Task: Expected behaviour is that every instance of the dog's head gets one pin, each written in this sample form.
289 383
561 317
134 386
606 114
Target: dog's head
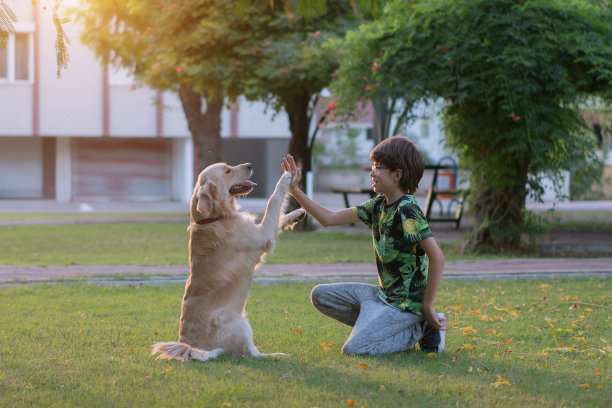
214 192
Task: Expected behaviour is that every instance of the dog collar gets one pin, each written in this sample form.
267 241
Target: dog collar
207 221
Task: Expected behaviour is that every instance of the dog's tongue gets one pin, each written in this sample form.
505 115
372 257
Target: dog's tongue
241 188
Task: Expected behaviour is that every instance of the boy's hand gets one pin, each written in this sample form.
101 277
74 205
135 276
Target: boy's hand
433 319
288 165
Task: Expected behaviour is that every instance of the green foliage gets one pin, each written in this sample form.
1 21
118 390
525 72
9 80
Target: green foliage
61 39
511 74
7 18
285 58
340 151
310 9
263 53
586 178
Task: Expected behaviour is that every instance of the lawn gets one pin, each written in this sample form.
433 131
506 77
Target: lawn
165 243
511 344
157 244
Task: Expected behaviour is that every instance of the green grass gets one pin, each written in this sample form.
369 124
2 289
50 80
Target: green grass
167 244
90 216
86 345
157 244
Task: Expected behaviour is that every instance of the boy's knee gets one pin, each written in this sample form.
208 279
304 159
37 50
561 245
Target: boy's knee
316 295
351 348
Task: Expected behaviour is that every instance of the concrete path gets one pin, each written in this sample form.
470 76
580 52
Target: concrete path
536 268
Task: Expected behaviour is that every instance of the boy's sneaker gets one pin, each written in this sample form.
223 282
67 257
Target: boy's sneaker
433 340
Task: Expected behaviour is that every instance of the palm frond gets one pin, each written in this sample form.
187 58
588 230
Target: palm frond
61 41
7 18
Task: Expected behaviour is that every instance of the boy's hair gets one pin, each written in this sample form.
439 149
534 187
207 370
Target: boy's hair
398 152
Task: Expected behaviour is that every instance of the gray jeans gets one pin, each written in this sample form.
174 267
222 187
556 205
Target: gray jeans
377 327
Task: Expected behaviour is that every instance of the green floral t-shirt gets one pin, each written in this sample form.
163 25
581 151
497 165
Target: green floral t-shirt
397 229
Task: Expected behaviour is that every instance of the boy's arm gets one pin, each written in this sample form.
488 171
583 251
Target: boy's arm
434 276
323 215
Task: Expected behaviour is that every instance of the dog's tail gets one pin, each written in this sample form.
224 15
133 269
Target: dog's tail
183 352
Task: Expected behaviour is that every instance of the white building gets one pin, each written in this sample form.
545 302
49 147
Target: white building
92 134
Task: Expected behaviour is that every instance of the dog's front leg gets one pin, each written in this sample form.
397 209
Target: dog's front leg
269 223
288 221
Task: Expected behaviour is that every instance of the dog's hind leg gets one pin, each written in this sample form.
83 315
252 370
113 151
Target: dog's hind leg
235 334
183 352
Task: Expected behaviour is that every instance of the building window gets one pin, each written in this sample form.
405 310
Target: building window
16 59
3 63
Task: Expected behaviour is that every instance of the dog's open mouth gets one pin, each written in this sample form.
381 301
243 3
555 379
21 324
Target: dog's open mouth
242 189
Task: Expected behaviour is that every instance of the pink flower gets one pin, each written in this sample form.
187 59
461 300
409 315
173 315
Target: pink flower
180 69
315 34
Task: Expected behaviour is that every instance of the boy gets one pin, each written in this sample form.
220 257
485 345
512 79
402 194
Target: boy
400 311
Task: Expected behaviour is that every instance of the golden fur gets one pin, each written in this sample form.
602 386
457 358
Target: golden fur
225 247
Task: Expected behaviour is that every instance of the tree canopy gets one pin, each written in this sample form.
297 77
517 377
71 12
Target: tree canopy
205 49
511 74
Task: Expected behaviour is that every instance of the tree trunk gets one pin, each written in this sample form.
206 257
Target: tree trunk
205 127
297 108
498 214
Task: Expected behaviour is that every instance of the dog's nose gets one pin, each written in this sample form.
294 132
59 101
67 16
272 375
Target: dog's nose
248 166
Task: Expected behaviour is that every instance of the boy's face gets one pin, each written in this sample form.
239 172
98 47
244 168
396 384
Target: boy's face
385 180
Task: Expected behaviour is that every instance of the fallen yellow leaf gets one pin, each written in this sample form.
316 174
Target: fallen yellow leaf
169 369
362 365
500 381
350 402
432 355
584 385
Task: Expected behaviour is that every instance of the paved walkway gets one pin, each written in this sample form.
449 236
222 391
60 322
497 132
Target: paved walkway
537 268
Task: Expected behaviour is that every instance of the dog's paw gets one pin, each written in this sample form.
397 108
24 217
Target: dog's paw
284 182
300 214
295 216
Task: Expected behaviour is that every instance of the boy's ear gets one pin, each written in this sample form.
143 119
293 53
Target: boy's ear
398 174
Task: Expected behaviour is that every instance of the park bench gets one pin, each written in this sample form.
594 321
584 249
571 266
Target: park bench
450 192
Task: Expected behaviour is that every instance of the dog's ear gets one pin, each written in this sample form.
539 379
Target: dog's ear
203 201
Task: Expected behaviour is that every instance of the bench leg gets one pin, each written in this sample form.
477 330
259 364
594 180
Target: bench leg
430 198
459 213
346 201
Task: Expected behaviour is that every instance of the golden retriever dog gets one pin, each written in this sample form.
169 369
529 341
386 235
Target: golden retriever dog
225 247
